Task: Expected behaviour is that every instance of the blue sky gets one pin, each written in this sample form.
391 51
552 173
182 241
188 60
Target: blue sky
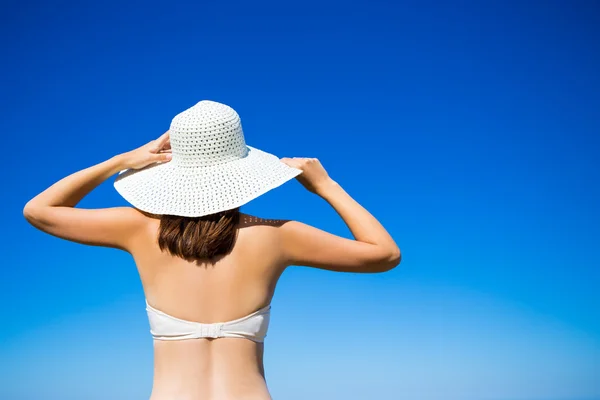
470 129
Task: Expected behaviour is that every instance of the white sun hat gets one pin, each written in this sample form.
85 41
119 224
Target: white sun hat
212 168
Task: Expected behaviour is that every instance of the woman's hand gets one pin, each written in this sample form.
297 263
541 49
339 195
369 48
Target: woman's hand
158 150
313 176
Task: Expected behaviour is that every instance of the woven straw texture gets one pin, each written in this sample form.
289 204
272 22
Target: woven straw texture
212 168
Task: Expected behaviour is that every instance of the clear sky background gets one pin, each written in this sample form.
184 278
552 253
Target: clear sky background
471 129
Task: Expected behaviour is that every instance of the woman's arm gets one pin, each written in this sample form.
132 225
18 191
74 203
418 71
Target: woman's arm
70 190
373 249
53 211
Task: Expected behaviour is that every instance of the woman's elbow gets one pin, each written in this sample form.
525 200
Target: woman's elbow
32 212
28 211
390 261
394 259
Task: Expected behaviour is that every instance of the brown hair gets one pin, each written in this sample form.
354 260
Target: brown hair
199 238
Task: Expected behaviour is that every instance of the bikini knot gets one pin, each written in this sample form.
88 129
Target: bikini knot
211 330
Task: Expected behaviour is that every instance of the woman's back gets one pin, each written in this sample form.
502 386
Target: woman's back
209 319
235 286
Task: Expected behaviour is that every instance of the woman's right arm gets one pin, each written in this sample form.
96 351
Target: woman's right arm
373 249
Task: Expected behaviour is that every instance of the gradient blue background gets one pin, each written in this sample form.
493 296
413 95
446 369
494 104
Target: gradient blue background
470 129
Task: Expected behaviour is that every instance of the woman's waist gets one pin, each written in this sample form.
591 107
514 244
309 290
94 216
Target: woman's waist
199 359
208 371
221 384
209 352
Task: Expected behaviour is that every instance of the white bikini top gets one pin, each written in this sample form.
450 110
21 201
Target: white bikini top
166 327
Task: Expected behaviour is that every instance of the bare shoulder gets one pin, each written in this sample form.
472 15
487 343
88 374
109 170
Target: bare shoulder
142 223
139 218
306 245
108 227
284 229
262 241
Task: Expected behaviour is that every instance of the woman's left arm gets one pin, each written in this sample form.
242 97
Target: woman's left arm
53 211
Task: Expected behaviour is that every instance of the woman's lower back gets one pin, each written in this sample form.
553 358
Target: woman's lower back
209 369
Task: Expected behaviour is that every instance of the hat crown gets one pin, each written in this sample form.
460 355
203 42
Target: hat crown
207 134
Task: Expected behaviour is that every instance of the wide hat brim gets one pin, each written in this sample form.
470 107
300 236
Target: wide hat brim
169 188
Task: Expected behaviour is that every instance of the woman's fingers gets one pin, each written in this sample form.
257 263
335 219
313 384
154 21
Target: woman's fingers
163 156
293 162
290 162
162 142
164 137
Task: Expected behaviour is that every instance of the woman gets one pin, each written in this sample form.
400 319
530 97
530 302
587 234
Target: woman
209 271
